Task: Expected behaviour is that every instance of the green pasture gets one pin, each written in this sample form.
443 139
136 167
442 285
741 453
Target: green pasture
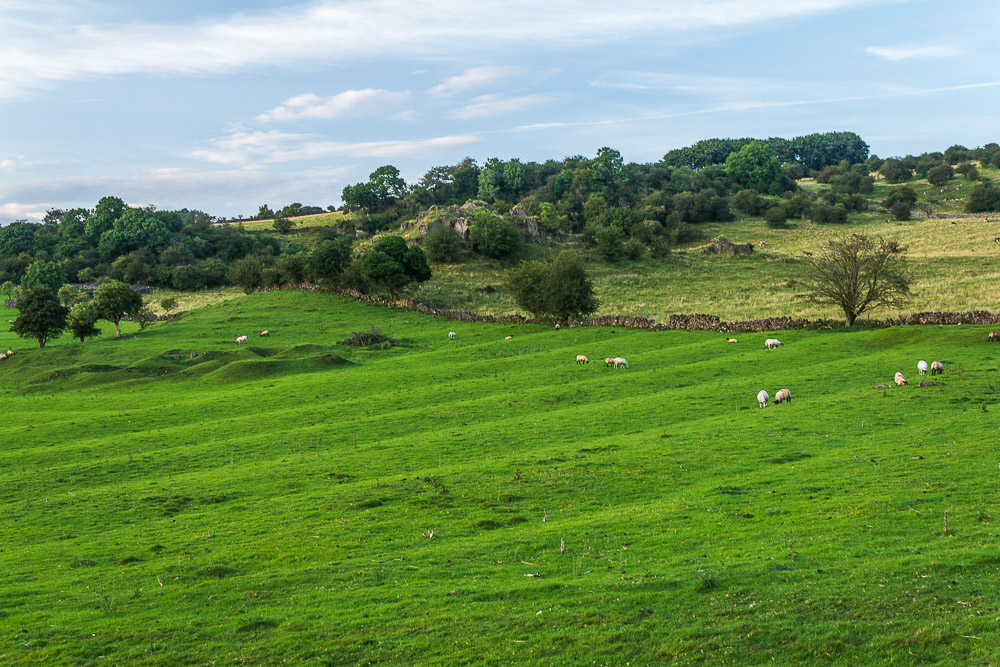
956 267
482 500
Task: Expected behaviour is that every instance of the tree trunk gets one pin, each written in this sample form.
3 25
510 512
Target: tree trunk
118 330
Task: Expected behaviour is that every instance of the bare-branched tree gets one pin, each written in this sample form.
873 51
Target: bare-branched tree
857 274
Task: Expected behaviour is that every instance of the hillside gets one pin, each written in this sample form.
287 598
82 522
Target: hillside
488 500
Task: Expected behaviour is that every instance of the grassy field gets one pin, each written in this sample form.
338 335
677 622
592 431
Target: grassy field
317 220
488 500
955 266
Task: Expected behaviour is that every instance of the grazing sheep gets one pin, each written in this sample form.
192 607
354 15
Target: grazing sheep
730 340
899 380
194 355
994 335
557 327
10 353
620 362
782 396
580 359
922 367
608 361
761 243
762 398
509 338
452 335
937 368
772 343
241 339
265 332
2 356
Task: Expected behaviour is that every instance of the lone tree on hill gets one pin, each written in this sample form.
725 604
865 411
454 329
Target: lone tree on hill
41 315
856 274
114 300
559 289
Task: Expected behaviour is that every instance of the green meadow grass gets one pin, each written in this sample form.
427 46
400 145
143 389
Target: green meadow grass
489 500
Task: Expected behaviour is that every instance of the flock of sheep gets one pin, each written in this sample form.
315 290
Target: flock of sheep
10 353
937 368
243 339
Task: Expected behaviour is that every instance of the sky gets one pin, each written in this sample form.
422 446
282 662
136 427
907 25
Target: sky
226 105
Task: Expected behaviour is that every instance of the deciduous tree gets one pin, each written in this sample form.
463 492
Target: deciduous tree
40 315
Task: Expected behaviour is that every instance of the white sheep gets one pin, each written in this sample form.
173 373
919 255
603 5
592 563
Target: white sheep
730 340
782 396
452 335
581 359
899 380
557 327
509 338
762 398
265 332
937 368
2 356
922 367
241 339
608 361
620 362
772 343
10 353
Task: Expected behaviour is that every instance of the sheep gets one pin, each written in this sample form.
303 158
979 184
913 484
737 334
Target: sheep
557 327
772 343
580 359
730 340
10 353
782 396
509 338
899 380
620 362
994 335
608 361
194 355
761 243
937 368
922 367
265 332
762 398
2 356
452 335
241 339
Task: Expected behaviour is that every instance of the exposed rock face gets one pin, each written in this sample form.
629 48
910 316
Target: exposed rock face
720 245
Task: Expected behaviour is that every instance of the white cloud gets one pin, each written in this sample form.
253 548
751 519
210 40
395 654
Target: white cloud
50 43
475 77
17 211
245 147
347 103
896 53
495 105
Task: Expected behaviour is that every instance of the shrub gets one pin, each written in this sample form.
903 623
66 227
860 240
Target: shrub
491 235
633 249
776 217
247 274
372 338
442 244
559 289
940 174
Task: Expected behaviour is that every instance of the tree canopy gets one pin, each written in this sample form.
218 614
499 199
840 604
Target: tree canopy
40 315
114 300
559 289
857 274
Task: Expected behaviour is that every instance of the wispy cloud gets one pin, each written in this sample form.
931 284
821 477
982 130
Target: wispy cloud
747 105
475 77
48 42
496 105
347 103
17 211
896 53
246 146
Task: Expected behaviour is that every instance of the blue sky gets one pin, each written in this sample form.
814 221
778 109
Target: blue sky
224 106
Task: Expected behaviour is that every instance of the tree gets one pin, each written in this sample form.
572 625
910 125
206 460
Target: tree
81 320
392 265
857 274
134 229
264 212
559 289
40 315
16 238
247 274
940 174
984 198
103 218
282 224
755 166
114 300
45 273
442 243
490 235
69 295
328 260
893 171
168 303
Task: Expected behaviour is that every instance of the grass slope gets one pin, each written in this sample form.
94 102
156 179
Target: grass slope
275 501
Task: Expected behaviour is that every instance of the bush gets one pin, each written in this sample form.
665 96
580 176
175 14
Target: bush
188 278
442 243
168 303
776 217
559 289
633 249
610 244
247 274
983 199
370 339
491 236
940 174
900 210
